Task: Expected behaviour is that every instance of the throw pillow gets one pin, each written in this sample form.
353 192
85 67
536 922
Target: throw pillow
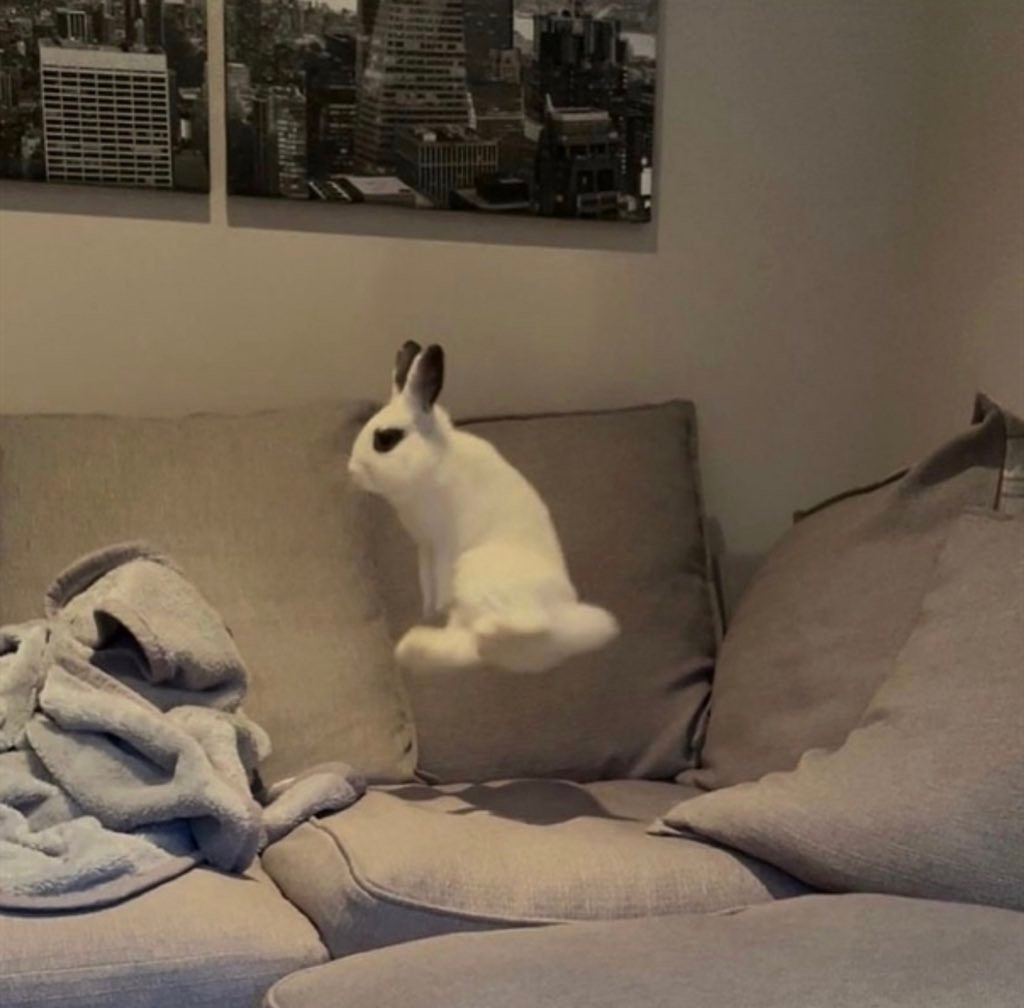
926 796
622 488
820 624
257 511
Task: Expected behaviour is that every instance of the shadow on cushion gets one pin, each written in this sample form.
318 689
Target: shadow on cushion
479 857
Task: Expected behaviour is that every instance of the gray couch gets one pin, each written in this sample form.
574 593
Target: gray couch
833 818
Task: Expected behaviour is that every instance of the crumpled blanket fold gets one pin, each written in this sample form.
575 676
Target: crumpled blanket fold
125 757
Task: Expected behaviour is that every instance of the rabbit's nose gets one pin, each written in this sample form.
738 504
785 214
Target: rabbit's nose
357 471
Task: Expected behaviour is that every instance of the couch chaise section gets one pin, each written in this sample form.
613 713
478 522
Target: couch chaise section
816 951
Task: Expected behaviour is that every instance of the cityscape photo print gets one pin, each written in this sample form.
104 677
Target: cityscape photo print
536 107
104 92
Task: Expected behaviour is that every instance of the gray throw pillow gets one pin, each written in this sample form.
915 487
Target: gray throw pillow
819 626
258 513
926 796
622 488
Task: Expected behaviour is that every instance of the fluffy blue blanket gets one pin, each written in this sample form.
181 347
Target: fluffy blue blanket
125 758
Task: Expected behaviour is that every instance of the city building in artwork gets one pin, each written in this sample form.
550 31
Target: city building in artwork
437 160
495 106
104 92
330 85
367 14
279 156
578 61
488 27
414 75
106 115
288 132
578 164
153 19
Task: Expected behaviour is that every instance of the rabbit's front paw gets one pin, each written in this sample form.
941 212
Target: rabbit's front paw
432 649
413 647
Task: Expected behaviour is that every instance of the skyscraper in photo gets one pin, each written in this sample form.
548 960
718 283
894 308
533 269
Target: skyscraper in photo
493 75
106 115
578 62
263 180
414 75
367 14
578 164
279 142
330 79
488 26
154 19
289 110
366 18
100 22
133 19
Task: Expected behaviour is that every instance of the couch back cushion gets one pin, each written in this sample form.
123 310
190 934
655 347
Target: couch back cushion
622 488
822 621
926 795
257 511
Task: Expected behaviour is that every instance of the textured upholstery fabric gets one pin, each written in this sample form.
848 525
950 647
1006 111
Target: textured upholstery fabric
926 796
414 861
204 939
1011 488
818 628
812 952
622 488
257 511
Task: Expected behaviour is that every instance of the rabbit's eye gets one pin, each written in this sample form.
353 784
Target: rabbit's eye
386 438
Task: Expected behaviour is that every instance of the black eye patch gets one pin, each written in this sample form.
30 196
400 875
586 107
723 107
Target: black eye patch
386 438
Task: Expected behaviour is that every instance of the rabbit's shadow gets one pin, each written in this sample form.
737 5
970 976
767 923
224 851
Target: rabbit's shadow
538 803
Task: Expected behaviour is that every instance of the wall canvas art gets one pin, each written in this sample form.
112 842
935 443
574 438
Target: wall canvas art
538 107
104 92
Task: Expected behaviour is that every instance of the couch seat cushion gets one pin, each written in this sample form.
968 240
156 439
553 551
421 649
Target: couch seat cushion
258 511
413 861
202 939
812 952
623 490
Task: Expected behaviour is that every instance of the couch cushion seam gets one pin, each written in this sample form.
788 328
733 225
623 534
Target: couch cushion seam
246 960
379 892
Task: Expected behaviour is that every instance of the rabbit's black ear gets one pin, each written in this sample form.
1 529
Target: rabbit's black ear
427 377
407 353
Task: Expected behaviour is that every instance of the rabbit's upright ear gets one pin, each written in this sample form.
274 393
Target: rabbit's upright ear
426 377
407 353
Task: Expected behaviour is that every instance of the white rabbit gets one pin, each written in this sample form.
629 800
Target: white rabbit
489 558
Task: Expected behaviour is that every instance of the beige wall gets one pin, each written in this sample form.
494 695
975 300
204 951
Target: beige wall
966 253
776 291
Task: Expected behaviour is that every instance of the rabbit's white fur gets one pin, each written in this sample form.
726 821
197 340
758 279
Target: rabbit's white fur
489 558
